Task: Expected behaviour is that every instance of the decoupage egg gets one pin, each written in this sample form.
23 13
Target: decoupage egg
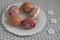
14 20
27 7
13 10
28 23
35 13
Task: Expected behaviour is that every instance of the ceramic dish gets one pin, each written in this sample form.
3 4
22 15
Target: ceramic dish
21 32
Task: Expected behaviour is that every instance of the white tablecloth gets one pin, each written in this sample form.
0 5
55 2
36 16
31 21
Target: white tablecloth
45 5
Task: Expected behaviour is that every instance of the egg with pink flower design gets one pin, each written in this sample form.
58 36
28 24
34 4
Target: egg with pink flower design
28 23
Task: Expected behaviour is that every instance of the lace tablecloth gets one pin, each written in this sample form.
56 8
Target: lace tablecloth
45 5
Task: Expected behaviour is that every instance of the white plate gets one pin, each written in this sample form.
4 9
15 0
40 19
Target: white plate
19 31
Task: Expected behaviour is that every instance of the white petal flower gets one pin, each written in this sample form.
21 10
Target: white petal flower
51 31
50 12
53 20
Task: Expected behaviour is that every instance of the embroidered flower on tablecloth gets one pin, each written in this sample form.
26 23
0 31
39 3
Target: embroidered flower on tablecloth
51 31
50 12
53 20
